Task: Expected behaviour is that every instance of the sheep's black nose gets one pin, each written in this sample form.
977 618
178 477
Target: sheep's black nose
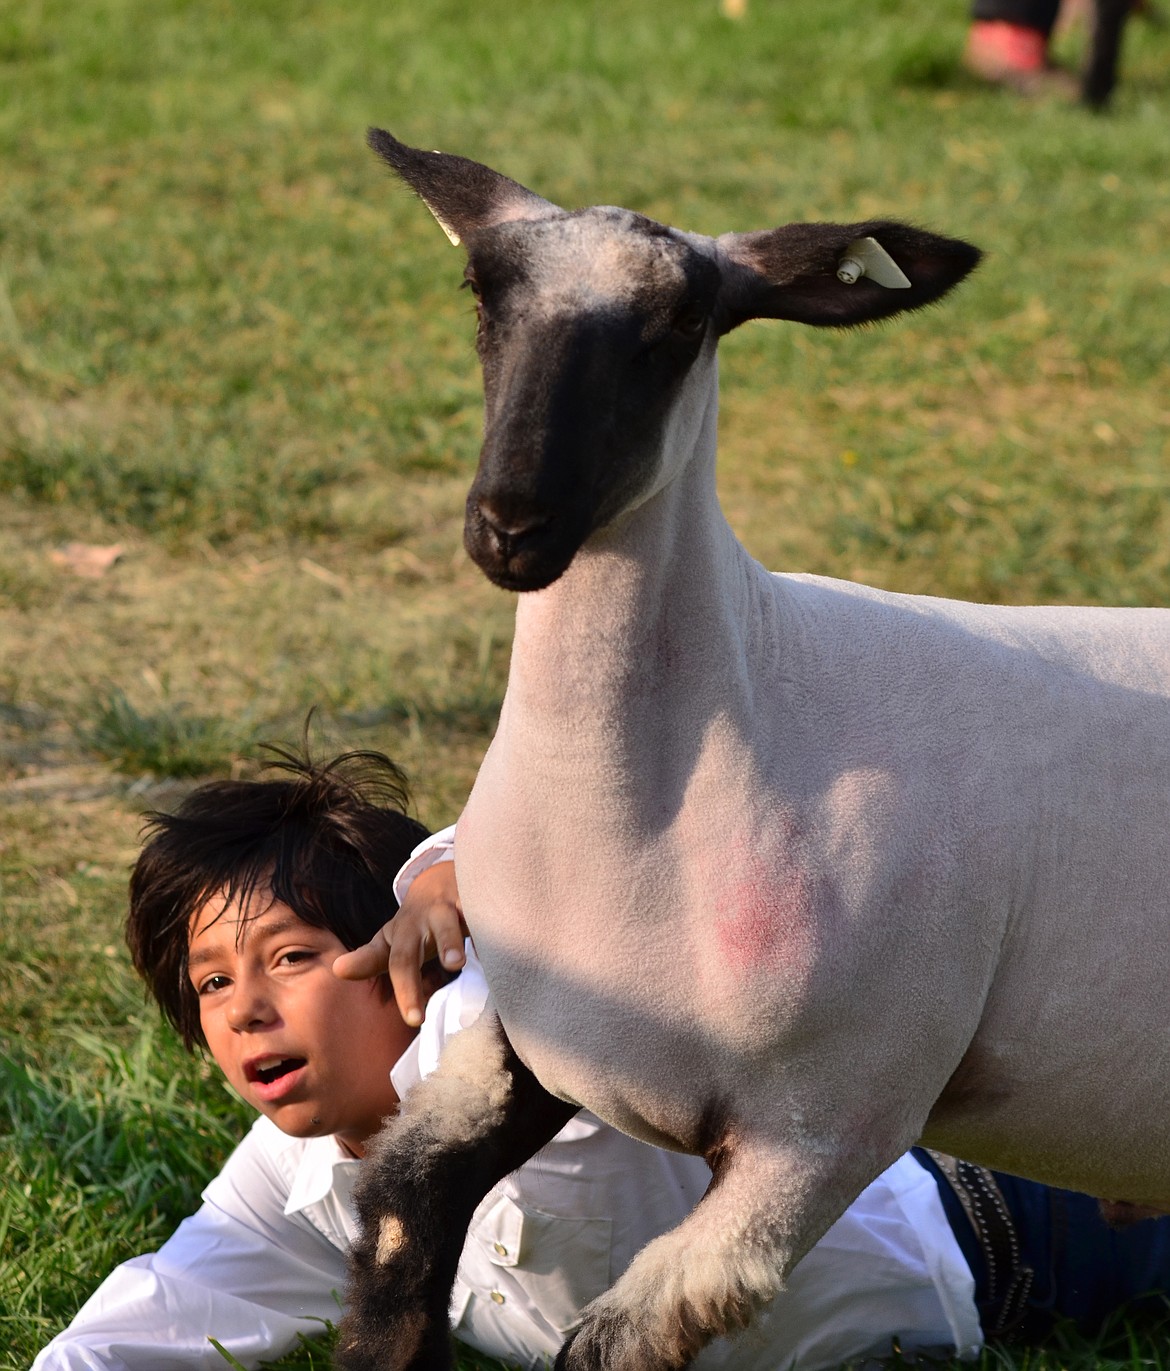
512 535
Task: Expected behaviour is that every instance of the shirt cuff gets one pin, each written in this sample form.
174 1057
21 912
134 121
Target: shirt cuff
439 847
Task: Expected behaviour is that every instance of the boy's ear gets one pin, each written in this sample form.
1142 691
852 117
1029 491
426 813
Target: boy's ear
835 275
464 196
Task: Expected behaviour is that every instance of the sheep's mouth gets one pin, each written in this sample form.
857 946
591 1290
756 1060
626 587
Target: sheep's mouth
273 1072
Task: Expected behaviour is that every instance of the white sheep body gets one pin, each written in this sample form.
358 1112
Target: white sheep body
728 814
782 870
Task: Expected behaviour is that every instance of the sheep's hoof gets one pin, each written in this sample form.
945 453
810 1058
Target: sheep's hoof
608 1342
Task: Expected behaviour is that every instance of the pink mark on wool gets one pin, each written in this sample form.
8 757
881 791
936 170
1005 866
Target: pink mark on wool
767 917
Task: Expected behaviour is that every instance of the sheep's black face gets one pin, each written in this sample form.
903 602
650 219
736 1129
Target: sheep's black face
588 326
591 323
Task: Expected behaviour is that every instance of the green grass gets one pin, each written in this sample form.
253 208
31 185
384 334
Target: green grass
172 740
231 344
92 1175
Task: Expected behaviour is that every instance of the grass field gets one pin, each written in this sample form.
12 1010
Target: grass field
229 345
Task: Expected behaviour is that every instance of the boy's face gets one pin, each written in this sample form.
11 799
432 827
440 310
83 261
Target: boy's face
311 1052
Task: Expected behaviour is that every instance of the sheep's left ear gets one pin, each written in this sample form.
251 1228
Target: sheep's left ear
834 275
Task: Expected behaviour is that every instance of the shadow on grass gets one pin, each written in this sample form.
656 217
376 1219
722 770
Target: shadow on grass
474 714
172 741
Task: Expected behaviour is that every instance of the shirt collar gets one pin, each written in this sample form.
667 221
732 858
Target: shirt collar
314 1177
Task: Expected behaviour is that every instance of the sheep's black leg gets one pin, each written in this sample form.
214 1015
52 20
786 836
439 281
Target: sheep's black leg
1104 51
477 1118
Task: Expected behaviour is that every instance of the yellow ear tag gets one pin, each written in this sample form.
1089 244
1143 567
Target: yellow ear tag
867 257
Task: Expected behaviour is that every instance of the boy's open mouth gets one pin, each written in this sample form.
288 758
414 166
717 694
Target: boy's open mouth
271 1070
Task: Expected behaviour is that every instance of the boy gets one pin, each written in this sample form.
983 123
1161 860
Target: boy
239 905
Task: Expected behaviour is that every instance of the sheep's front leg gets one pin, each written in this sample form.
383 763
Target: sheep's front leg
705 1278
477 1118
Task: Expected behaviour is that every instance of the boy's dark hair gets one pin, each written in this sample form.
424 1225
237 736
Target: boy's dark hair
327 839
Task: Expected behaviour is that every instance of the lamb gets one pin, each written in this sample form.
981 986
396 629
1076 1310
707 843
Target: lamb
782 870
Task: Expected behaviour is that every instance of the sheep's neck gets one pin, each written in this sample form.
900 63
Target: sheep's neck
650 632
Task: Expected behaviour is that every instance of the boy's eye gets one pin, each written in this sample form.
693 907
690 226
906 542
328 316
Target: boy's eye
212 984
299 955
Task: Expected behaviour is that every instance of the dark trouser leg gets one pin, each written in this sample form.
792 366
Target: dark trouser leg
1029 14
1105 50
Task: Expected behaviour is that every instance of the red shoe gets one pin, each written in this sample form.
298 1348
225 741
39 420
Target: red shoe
1013 56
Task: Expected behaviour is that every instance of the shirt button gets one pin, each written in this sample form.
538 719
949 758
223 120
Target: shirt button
500 1249
497 1297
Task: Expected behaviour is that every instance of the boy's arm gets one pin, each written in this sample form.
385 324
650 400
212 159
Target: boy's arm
429 923
240 1270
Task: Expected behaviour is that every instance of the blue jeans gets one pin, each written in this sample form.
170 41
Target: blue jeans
1085 1271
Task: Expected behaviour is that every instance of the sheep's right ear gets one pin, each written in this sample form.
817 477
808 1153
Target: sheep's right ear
835 275
464 196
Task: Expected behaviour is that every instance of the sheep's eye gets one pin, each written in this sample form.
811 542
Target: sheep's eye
689 321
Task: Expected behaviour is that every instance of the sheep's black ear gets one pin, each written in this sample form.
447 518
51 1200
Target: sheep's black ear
834 275
464 196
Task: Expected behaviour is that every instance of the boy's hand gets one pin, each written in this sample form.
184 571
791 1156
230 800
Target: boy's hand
429 923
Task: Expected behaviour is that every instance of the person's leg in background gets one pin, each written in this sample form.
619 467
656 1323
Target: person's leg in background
1008 42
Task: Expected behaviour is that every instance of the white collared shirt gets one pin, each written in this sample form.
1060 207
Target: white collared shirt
264 1257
